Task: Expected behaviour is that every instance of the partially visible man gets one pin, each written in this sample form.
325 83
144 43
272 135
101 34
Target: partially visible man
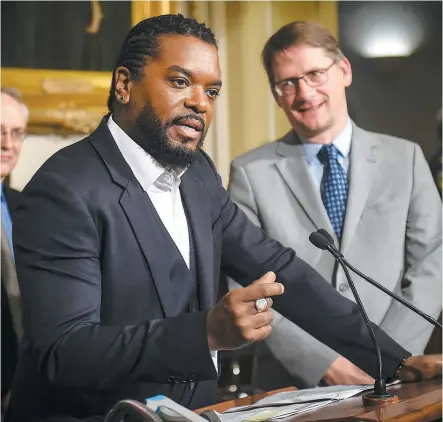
374 193
14 117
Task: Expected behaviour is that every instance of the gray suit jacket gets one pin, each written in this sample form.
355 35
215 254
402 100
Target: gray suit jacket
392 232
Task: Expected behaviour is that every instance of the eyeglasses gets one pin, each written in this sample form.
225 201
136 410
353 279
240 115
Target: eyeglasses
313 79
17 135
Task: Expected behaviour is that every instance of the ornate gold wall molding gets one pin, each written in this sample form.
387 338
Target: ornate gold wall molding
61 101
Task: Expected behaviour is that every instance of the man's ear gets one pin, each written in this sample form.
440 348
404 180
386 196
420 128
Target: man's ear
276 97
346 69
123 85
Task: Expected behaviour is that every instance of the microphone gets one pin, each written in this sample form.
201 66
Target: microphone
156 409
380 393
132 408
328 244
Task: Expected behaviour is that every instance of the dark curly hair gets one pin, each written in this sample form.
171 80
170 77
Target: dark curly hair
142 42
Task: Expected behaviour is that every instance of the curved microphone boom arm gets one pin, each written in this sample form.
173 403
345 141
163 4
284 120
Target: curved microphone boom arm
336 253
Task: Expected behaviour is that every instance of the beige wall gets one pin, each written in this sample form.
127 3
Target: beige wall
36 150
253 115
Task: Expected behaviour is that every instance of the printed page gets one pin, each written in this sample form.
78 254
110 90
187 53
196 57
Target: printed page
336 392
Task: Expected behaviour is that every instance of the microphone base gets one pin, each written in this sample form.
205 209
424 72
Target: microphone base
373 399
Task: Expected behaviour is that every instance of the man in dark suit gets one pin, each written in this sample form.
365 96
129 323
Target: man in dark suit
119 246
14 117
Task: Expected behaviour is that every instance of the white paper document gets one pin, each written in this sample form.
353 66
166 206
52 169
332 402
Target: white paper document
291 403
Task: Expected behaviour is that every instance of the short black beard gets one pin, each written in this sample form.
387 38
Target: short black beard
152 136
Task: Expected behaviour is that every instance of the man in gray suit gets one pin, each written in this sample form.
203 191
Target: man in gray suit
374 193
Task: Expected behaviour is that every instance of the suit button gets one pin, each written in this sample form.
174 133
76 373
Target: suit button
171 379
192 378
343 287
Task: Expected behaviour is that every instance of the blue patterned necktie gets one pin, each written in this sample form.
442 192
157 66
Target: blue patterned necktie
335 188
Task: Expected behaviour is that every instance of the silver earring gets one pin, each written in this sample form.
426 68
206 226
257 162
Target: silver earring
121 99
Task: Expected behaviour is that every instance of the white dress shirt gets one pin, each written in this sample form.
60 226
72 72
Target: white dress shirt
167 201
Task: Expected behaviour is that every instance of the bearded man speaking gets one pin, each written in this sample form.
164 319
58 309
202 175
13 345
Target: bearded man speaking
120 242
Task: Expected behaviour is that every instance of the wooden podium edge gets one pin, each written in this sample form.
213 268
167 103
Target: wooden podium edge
423 407
426 413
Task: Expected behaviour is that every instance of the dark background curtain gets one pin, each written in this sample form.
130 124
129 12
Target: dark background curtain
52 34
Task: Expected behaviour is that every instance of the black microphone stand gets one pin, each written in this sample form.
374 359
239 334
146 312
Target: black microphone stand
335 252
380 391
380 394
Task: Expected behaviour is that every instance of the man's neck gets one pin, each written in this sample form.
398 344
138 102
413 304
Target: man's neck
123 124
327 136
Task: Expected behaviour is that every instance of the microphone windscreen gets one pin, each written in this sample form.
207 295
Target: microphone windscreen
318 240
325 234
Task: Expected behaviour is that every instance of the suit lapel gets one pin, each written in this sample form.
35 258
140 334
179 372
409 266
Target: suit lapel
142 216
295 172
139 210
10 282
364 159
192 190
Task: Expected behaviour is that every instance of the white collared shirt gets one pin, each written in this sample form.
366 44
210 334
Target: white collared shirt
167 203
343 144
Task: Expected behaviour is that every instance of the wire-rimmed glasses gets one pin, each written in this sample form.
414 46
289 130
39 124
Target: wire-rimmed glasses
313 79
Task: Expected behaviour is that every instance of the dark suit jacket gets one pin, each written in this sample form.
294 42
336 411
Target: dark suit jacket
8 336
97 303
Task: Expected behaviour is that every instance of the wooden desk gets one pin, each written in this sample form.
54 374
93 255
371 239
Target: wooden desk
222 407
417 402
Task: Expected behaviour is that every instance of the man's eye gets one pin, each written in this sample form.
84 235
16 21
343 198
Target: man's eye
286 83
180 82
212 93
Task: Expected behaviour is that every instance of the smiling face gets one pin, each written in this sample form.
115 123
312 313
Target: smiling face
317 114
170 108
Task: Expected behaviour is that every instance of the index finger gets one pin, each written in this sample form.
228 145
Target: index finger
258 291
269 277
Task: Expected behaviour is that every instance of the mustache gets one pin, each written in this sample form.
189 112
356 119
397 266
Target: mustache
191 116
